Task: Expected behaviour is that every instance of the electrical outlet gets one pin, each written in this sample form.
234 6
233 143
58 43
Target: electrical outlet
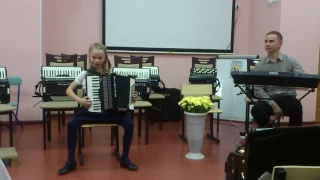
273 1
237 5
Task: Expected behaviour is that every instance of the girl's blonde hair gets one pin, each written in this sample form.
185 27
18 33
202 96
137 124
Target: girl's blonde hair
100 46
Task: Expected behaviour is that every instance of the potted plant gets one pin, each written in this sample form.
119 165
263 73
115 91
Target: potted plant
196 110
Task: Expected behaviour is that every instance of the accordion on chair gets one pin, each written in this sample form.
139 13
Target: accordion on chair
154 76
110 91
4 86
205 76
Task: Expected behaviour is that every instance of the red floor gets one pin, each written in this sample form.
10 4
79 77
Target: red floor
163 158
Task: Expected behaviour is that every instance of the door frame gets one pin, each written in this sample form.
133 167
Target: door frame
317 118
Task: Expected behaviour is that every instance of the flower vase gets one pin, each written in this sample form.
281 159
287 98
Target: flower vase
195 132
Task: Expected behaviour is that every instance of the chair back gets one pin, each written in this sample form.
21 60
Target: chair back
15 81
81 60
128 62
196 90
296 172
251 63
203 62
61 60
147 61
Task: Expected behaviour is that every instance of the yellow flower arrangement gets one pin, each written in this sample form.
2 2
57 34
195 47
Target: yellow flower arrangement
193 104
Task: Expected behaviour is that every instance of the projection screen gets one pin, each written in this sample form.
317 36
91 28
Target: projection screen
203 26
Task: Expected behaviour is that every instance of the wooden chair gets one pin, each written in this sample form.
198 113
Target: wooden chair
147 61
203 62
92 124
250 90
296 173
82 60
114 130
16 81
61 60
128 62
199 90
141 105
47 108
10 152
208 63
155 98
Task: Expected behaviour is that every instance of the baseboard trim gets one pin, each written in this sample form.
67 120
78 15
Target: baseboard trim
307 123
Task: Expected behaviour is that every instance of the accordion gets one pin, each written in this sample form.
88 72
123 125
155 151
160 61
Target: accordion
110 91
56 80
204 76
142 78
4 86
154 76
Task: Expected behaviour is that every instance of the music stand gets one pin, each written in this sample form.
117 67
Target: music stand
269 147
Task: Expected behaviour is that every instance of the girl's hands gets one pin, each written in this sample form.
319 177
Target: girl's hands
135 97
85 102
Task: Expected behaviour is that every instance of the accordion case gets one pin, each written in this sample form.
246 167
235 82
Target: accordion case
270 147
234 166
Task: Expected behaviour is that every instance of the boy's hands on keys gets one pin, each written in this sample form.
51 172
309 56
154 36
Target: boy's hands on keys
85 102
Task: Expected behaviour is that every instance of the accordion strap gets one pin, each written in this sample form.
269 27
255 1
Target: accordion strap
38 88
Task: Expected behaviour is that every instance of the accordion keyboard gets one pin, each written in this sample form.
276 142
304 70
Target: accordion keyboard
139 73
154 75
142 78
54 73
93 93
154 70
55 80
202 71
204 76
3 73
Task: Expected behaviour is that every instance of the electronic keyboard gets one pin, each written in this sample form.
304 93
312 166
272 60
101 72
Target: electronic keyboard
287 79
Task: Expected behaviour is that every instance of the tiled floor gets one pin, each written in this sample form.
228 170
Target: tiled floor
162 159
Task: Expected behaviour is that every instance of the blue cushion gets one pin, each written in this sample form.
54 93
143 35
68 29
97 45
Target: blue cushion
15 80
13 103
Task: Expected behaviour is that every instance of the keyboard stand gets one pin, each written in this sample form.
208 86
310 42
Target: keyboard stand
277 118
